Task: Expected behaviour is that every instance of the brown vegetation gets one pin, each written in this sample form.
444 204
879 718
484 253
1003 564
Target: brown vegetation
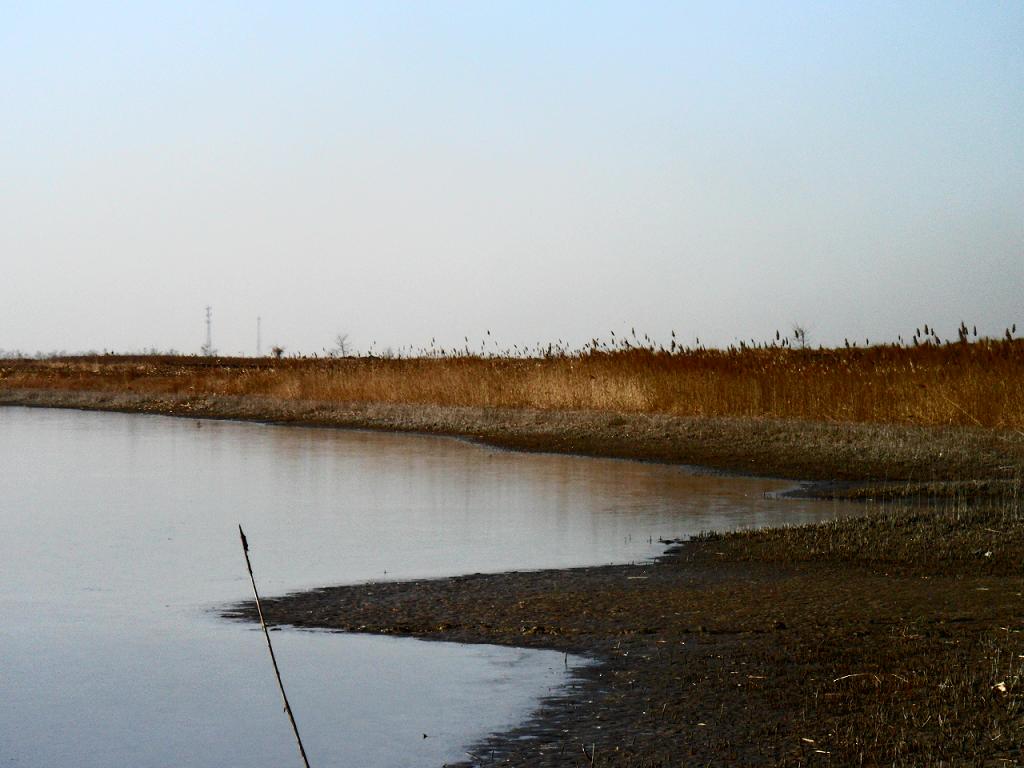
978 384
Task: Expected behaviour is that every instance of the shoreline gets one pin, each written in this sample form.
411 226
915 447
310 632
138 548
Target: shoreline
829 459
780 655
883 639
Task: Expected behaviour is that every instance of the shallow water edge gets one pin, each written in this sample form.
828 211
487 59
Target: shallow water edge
829 460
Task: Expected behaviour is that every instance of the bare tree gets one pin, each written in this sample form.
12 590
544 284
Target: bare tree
342 346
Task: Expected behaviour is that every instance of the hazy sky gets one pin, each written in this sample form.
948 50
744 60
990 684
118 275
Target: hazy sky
402 171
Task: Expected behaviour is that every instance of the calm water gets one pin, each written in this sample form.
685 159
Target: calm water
118 541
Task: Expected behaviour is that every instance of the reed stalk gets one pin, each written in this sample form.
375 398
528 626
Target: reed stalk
270 647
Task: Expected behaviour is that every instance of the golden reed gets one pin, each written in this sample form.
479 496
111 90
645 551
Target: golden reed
970 384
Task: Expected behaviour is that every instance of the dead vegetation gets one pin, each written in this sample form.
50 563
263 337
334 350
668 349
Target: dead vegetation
977 384
964 536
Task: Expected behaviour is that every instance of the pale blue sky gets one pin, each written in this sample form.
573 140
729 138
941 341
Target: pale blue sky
402 171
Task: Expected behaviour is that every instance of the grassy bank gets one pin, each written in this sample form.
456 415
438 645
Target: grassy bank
945 419
859 460
977 384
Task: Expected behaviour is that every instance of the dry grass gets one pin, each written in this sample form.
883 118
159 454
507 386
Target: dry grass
965 710
964 536
965 384
921 673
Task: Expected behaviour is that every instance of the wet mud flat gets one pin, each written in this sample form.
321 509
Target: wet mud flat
863 641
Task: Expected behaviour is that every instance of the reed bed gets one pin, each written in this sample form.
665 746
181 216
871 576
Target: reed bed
979 383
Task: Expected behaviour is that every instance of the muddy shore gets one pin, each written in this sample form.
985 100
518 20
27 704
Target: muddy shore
892 639
840 458
748 650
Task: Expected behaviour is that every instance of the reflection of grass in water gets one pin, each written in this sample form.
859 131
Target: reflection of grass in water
966 384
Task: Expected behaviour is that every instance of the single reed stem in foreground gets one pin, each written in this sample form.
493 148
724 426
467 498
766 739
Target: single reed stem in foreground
273 659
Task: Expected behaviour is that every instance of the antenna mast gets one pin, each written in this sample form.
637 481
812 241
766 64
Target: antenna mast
208 346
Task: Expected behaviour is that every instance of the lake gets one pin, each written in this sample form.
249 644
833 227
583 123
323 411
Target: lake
119 543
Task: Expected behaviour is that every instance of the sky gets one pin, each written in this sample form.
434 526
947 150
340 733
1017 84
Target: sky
403 172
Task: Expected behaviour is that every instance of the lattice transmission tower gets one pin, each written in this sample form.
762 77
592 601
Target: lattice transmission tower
208 349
